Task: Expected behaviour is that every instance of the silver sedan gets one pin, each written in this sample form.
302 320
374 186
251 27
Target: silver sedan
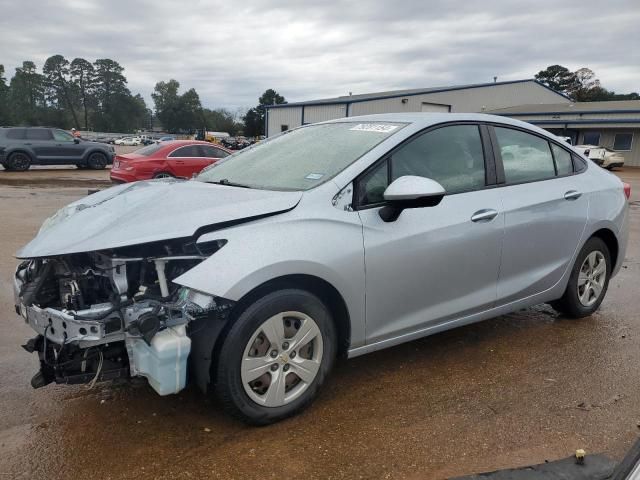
338 238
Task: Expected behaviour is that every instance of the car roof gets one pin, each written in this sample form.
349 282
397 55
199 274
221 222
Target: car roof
424 119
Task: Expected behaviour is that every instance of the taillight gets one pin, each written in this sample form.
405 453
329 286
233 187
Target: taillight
627 190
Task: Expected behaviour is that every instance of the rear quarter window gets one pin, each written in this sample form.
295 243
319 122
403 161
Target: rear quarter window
17 133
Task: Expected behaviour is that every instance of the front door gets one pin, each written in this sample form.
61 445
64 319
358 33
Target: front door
432 264
65 147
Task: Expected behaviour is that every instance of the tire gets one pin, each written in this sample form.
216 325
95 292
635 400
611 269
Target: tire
97 161
254 397
163 175
18 162
586 288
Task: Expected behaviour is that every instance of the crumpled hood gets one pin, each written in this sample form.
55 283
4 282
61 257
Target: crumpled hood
142 212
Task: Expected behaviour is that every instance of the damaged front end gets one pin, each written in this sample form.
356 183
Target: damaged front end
117 313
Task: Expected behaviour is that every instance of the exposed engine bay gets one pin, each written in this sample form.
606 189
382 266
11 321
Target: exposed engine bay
116 313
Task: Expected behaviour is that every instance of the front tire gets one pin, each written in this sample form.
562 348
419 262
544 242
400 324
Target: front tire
275 357
588 282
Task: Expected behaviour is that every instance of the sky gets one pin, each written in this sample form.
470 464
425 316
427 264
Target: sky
230 52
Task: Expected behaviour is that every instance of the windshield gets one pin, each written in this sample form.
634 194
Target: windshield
301 159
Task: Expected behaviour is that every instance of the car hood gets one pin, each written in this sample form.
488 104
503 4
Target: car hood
142 212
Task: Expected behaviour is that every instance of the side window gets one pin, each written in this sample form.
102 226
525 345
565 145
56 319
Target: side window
39 134
17 133
371 185
62 136
188 151
563 160
452 156
525 157
212 152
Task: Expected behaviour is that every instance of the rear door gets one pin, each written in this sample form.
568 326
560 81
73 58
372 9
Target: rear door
436 263
40 140
545 211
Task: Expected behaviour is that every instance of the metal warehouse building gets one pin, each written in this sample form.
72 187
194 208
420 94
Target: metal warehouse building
615 125
462 98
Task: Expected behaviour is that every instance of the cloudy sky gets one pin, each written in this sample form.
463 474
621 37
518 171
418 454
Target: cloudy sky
232 51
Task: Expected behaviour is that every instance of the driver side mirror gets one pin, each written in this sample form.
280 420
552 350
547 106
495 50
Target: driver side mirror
76 140
410 192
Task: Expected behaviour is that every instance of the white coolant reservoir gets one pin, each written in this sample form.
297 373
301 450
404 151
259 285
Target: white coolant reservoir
164 362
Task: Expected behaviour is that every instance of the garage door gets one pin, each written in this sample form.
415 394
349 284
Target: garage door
435 107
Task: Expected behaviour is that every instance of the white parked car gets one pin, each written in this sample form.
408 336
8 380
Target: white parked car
603 156
129 141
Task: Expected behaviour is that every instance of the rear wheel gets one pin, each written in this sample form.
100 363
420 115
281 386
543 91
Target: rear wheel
18 161
275 357
588 282
97 161
163 175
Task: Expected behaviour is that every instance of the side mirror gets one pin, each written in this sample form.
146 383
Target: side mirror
410 192
76 140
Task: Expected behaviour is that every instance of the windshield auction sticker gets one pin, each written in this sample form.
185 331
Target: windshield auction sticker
374 127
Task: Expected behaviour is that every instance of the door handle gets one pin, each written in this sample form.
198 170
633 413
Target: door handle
27 143
484 215
572 195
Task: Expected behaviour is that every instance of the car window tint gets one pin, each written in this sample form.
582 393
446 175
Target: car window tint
372 185
526 157
452 156
563 160
17 133
213 152
39 134
188 151
62 136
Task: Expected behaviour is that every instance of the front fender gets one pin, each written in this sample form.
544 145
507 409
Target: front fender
275 247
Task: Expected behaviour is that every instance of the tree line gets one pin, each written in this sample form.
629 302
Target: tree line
78 93
581 85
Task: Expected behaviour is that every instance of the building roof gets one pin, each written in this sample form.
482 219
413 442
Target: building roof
403 93
615 106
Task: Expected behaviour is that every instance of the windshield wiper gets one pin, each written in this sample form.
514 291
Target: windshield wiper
225 181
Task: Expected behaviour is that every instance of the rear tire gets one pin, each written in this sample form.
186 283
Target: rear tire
588 282
275 357
18 162
163 175
97 161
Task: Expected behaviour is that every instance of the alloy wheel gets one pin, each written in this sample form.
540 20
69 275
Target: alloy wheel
592 277
281 359
20 161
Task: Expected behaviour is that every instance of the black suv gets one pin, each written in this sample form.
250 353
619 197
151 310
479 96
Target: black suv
21 147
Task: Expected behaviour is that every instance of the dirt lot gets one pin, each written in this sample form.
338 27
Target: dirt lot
514 390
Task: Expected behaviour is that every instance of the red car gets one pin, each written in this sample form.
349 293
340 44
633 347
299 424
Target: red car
177 158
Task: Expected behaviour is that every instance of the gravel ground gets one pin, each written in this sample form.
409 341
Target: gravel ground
510 391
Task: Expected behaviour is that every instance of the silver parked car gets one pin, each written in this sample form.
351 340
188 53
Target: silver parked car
338 238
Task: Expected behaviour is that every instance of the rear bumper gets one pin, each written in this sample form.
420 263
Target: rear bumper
120 176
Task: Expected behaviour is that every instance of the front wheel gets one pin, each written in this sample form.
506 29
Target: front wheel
275 357
588 282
